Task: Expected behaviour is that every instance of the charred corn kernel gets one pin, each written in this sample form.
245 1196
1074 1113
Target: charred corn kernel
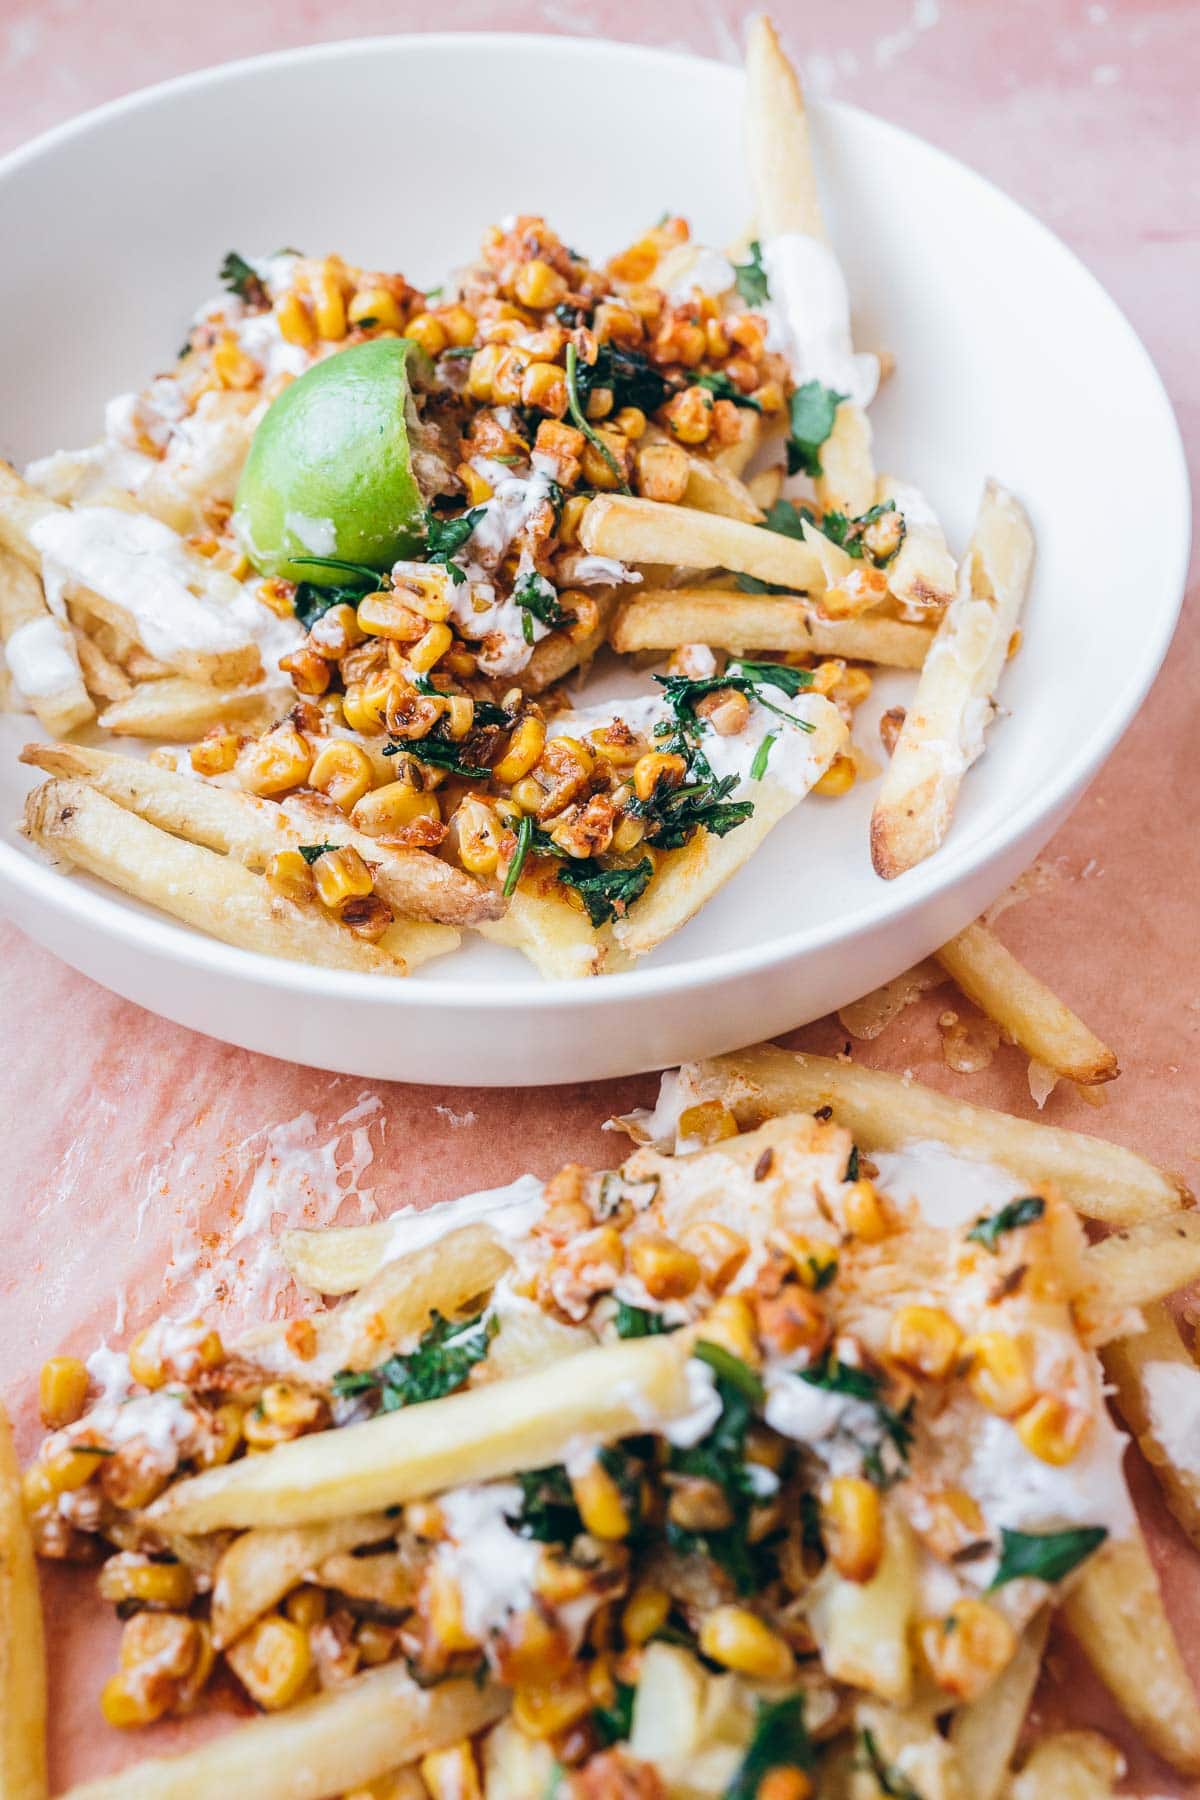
145 1364
477 487
482 373
231 366
443 1608
544 385
719 1250
716 344
707 1122
538 285
166 1644
225 1434
329 309
600 1503
644 1613
827 674
126 1703
341 875
365 703
306 1605
460 661
852 1526
731 1323
628 833
216 752
689 415
924 1340
862 1212
662 472
738 1639
460 716
510 372
59 1473
458 324
279 760
375 306
966 1649
838 778
1052 1430
375 1643
528 795
167 1587
657 768
998 1373
666 1269
544 1711
309 671
478 831
272 1661
429 332
289 875
387 616
573 509
343 771
630 421
430 648
853 687
770 396
452 1773
726 710
389 808
62 1391
525 747
294 320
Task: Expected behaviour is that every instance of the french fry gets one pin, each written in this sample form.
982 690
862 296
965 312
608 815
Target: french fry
557 937
765 487
665 618
712 489
687 879
103 678
260 1567
1115 1612
943 731
343 1259
1154 1377
847 479
1070 1765
22 1653
41 653
560 653
863 1626
1025 1008
908 1741
1141 1264
475 1435
251 829
642 531
318 1749
213 893
984 1734
923 572
737 456
1101 1180
184 710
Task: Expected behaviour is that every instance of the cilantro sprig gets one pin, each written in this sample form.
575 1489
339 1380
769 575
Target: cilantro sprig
988 1231
538 600
860 539
884 1441
439 1365
606 893
310 852
438 753
722 387
721 1458
242 279
1045 1555
812 410
445 536
750 277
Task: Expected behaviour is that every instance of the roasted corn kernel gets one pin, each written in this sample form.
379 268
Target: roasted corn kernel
644 1613
738 1639
216 752
998 1373
341 875
732 1324
390 808
279 760
1052 1430
62 1391
665 1268
863 1213
343 771
375 307
164 1587
289 875
966 1649
294 320
600 1502
852 1526
272 1660
838 778
525 747
924 1340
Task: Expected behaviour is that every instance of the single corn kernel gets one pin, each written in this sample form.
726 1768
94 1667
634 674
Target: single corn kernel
924 1340
535 1649
309 671
707 1122
827 674
231 365
573 509
544 385
1052 1430
528 794
341 875
458 324
662 472
477 487
510 372
329 310
666 1269
225 1434
387 616
61 1472
630 421
815 1260
430 648
738 1639
365 704
343 771
289 874
604 468
689 415
216 752
852 1526
862 1212
62 1391
429 332
336 631
731 1323
644 1614
544 1711
390 808
478 830
279 760
525 747
460 716
600 1502
126 1703
966 1649
294 320
838 778
538 285
657 769
272 1660
999 1374
375 306
165 1587
443 1608
481 374
452 1774
853 688
719 1250
306 1605
145 1364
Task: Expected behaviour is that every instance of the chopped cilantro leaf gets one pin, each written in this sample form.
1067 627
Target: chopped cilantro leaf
990 1230
629 375
243 280
639 1322
812 409
788 520
439 753
606 893
762 757
310 601
548 1511
524 840
485 712
439 1365
444 536
365 579
721 1458
538 600
310 852
1045 1555
614 1723
751 278
683 691
780 1741
858 540
722 387
732 1369
886 1440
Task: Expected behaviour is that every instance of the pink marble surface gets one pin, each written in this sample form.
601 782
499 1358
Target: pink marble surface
134 1147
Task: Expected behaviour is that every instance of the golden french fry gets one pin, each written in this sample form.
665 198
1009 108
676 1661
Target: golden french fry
1101 1180
184 710
1115 1611
560 653
1025 1008
1157 1382
923 572
863 1626
252 830
643 531
943 730
40 651
342 1259
765 487
776 132
22 1653
713 489
319 1749
103 678
1070 1765
475 1435
847 479
1144 1262
984 1734
210 892
665 618
557 937
259 1567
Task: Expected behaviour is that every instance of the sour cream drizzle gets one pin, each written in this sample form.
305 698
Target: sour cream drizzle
809 317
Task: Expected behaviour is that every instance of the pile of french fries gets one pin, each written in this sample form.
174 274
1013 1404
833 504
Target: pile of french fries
731 1473
726 566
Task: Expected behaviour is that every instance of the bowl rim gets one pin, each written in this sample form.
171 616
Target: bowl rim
162 937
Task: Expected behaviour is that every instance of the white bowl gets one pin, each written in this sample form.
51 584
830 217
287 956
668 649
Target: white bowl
396 152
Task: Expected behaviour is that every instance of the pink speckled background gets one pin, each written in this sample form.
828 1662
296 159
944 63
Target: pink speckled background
126 1137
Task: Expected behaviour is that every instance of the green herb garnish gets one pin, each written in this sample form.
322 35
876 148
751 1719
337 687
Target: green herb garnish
721 1458
884 1439
444 536
751 278
629 375
606 893
851 535
780 1741
813 409
439 753
548 1511
538 600
722 387
639 1322
852 1164
365 578
1011 1217
486 713
575 408
749 678
614 1723
524 839
1045 1555
762 757
243 280
310 852
439 1365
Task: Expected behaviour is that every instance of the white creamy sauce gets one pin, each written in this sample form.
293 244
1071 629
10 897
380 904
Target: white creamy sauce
948 1189
809 317
510 1212
833 1426
708 272
703 1411
109 1370
317 535
1014 1488
911 503
41 658
599 571
792 760
659 1127
1173 1399
493 1567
